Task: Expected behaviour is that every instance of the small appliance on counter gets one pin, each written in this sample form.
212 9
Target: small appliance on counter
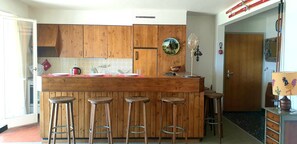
76 71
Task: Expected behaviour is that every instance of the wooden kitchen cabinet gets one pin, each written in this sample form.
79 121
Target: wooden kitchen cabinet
71 41
145 36
280 126
119 42
95 41
47 35
164 60
146 61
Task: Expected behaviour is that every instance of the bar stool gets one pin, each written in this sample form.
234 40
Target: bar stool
174 101
94 101
131 100
211 119
208 108
55 101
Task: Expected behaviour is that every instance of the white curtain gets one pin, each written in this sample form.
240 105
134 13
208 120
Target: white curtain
14 71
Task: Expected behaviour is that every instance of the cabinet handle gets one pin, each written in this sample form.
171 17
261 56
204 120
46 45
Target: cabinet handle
136 55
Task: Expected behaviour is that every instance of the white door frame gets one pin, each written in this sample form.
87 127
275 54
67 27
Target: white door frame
29 118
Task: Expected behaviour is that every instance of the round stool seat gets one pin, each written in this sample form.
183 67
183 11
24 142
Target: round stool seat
208 91
214 95
137 99
62 99
173 100
206 88
100 100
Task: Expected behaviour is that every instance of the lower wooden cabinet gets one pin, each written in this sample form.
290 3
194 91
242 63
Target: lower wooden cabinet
280 127
145 60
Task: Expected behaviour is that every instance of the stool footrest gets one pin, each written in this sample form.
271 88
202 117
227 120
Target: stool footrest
102 132
164 129
137 132
71 129
63 126
212 121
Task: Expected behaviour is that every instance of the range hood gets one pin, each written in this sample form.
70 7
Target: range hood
47 40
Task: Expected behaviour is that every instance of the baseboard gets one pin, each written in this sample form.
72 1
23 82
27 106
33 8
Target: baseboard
3 128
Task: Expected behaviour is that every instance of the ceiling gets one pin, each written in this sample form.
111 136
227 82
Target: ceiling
203 6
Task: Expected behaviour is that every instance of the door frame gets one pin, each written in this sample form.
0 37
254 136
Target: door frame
29 118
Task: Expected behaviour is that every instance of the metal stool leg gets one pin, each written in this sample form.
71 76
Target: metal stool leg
128 123
92 123
51 123
144 124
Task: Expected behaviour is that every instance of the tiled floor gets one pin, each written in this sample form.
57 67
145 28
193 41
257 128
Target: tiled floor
232 135
29 133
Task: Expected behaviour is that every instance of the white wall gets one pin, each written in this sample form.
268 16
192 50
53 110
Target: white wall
15 7
203 26
260 23
108 17
289 52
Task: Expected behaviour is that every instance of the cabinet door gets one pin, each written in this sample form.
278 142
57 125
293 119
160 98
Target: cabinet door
145 36
95 41
165 60
71 41
146 61
119 42
47 35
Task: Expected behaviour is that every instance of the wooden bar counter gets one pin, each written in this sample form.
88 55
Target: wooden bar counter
119 87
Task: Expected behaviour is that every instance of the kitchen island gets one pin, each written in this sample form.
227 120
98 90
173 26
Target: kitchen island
119 87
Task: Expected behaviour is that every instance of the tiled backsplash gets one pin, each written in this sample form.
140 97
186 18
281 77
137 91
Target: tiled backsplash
64 65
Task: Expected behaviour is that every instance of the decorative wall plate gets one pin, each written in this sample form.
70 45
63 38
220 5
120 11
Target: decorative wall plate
170 46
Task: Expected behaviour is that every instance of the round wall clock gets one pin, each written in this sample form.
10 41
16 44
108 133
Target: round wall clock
170 46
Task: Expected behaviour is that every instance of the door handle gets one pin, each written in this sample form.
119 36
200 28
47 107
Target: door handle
229 74
136 55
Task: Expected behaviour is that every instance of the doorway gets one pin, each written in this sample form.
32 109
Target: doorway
18 60
243 71
252 120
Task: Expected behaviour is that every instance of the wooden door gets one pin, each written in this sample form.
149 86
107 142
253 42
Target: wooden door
146 61
164 60
120 42
95 41
71 41
243 62
47 35
145 36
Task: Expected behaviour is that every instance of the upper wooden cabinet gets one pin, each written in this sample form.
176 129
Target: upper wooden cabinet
119 42
95 41
71 41
145 36
164 60
47 35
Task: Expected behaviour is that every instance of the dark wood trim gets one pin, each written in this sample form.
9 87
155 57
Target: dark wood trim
117 84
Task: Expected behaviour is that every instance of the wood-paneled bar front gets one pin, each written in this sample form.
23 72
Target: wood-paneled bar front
84 87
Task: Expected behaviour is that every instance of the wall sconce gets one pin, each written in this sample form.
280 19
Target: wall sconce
197 53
